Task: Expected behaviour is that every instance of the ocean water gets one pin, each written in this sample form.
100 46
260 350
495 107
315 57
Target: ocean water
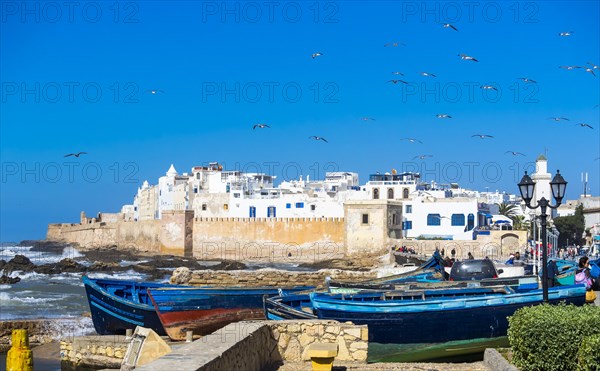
49 296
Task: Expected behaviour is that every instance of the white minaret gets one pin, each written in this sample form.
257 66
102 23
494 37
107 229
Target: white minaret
542 178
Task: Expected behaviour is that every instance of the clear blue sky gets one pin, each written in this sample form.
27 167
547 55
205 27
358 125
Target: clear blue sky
191 51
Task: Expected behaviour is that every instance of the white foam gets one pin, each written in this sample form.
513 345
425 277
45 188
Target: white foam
5 287
7 300
127 275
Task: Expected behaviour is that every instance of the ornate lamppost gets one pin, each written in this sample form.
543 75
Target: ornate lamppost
558 186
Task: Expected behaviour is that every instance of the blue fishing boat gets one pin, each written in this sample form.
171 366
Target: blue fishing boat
204 310
427 316
566 269
118 305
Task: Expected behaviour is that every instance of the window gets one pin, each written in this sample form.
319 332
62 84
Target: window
458 219
271 212
405 193
409 209
288 206
433 219
236 195
313 207
408 224
195 190
299 205
203 207
394 219
135 208
225 207
470 222
252 212
376 193
390 193
365 218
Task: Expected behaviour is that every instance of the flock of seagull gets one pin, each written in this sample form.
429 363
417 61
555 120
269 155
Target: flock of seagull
589 68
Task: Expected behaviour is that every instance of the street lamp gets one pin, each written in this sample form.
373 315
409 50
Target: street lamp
558 186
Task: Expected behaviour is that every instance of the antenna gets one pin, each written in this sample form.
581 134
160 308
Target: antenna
584 180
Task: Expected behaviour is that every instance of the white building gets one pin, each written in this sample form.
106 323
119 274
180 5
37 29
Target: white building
541 178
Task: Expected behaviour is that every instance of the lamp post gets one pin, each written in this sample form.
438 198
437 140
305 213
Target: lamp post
558 186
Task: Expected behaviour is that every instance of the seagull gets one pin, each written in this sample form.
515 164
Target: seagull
367 119
590 70
558 118
514 153
592 65
412 140
568 33
449 25
155 91
487 87
397 73
76 154
397 81
315 55
443 116
421 157
465 57
395 44
427 74
569 67
260 126
482 136
318 138
584 125
527 80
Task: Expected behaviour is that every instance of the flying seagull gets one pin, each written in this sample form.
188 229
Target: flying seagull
443 116
482 136
395 44
592 65
465 57
155 91
488 87
260 126
558 118
397 73
584 125
397 81
449 25
76 154
514 153
427 74
412 140
590 70
568 33
421 157
527 80
569 67
315 55
367 119
318 138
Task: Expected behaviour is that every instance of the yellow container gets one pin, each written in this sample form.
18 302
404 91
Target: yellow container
19 357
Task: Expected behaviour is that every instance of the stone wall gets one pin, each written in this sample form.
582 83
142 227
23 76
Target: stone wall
273 239
265 277
42 331
294 337
93 351
265 345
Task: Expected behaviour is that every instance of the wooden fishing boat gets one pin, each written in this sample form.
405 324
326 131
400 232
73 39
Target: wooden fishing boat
204 310
118 305
422 316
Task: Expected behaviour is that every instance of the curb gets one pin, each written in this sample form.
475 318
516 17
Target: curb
494 361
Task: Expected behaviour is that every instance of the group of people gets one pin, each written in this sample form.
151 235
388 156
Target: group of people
449 261
583 275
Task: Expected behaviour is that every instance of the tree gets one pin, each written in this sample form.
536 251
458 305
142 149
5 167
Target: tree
508 210
519 223
571 228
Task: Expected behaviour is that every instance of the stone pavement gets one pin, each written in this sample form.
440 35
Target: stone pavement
475 366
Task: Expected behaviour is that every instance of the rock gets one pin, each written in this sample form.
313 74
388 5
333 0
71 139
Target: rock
229 265
343 353
6 280
360 355
64 266
353 331
181 276
292 352
19 263
45 246
358 346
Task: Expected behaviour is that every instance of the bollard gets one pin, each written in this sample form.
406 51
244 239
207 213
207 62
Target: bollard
19 357
189 336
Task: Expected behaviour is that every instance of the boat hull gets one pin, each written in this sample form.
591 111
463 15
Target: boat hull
447 322
112 314
204 311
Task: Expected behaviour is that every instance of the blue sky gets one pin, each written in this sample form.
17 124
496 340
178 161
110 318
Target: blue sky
78 79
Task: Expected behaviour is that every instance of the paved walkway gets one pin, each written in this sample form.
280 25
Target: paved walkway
475 366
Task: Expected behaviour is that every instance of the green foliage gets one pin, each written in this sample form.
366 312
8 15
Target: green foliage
571 227
508 210
547 337
588 357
